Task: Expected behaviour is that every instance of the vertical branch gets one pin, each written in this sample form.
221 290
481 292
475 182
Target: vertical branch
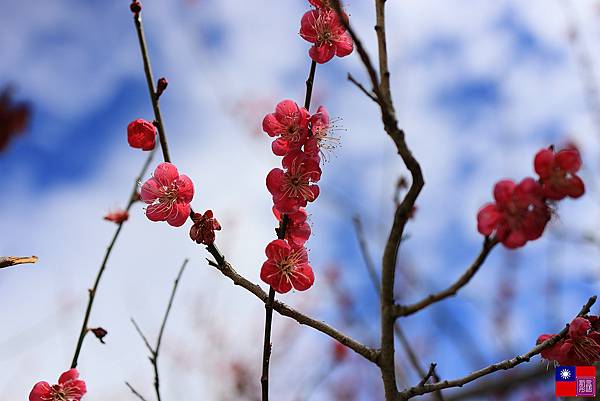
137 19
264 378
374 276
309 84
92 292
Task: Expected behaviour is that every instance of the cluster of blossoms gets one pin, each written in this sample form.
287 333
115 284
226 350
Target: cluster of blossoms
323 28
581 345
300 138
521 211
69 388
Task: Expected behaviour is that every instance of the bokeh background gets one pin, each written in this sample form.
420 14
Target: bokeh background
479 86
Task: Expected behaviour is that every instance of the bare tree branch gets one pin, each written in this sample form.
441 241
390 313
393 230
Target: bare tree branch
503 365
226 269
502 385
134 391
405 310
6 261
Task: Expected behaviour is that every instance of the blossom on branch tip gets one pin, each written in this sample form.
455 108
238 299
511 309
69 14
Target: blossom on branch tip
557 173
323 28
203 230
168 195
519 213
289 122
297 229
286 267
141 134
294 187
118 216
581 345
69 388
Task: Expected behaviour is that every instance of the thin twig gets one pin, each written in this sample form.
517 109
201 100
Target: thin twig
155 352
137 19
264 378
6 261
142 336
362 88
503 365
309 84
502 385
92 292
429 374
405 310
134 391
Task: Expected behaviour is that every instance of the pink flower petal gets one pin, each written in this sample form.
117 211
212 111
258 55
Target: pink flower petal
544 159
166 173
271 126
568 160
487 219
185 189
303 277
344 45
179 214
40 392
150 191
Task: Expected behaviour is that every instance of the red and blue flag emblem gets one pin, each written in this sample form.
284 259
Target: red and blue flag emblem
575 381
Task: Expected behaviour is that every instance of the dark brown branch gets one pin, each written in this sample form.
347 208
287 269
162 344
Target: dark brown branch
503 365
309 84
405 310
226 269
502 385
134 391
264 378
362 88
374 276
6 261
92 292
155 352
429 374
137 19
381 88
142 336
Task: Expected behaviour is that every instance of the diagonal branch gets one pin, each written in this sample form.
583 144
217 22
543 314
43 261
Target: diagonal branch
133 197
503 365
226 269
405 310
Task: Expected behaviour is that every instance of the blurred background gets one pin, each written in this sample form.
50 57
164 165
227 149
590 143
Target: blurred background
479 87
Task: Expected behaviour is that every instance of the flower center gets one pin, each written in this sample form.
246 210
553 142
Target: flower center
292 133
58 393
296 185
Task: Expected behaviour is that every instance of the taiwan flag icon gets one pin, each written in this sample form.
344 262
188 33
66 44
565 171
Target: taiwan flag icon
575 381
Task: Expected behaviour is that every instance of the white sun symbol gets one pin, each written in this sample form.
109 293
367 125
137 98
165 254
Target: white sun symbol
565 373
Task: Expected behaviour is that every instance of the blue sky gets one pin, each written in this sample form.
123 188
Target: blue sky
479 89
